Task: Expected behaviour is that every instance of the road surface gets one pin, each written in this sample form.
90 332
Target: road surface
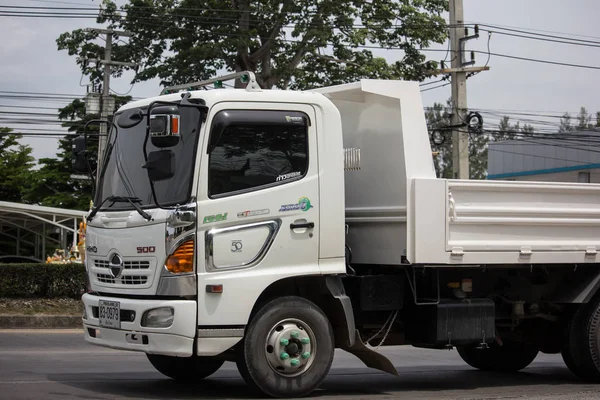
57 364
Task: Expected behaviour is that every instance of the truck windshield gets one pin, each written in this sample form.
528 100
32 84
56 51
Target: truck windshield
124 175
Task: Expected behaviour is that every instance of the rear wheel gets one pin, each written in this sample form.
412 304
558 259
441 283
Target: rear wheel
185 369
510 357
288 348
581 349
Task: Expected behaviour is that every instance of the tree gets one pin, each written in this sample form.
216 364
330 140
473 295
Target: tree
55 184
565 123
438 121
441 139
288 44
15 162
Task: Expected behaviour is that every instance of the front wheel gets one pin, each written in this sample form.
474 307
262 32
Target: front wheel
510 357
288 348
185 369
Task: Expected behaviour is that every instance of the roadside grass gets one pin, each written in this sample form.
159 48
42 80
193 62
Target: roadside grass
57 306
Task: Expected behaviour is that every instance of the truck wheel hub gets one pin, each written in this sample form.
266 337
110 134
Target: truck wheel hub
290 347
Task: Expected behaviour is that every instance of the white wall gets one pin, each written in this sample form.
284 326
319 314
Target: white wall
569 176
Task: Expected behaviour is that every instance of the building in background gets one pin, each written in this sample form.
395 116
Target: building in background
562 157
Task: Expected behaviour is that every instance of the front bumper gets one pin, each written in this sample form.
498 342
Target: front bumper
176 340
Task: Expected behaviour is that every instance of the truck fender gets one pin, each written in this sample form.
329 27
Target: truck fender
336 289
353 342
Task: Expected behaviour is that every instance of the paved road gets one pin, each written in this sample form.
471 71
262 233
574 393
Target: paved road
60 365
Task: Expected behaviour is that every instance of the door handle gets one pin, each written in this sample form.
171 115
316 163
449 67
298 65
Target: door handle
309 225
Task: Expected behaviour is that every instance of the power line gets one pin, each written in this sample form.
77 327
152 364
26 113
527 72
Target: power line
535 30
539 34
42 94
549 62
29 113
537 60
58 2
149 13
436 87
542 39
432 83
27 107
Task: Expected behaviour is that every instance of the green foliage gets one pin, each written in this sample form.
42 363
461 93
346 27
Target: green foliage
288 44
55 184
42 280
584 121
15 163
438 119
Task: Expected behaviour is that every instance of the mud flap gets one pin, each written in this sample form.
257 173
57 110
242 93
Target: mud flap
371 358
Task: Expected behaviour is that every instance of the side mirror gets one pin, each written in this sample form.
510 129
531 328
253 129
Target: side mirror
164 126
79 161
160 165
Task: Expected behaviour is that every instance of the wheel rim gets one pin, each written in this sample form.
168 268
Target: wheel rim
291 347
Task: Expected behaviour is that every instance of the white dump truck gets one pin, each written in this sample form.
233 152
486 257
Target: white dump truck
269 228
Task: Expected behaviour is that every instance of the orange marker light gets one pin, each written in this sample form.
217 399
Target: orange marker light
214 288
182 260
174 125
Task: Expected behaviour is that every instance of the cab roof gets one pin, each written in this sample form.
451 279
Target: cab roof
214 96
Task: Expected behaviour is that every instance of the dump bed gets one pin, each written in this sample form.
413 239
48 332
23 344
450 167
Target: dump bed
397 211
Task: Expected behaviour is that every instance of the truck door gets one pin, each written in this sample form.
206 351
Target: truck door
258 205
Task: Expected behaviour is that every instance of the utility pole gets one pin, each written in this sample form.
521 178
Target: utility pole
460 138
458 72
107 104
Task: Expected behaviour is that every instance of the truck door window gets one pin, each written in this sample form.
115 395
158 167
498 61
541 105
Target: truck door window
256 149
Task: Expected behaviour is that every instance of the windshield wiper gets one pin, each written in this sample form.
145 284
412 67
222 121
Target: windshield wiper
121 199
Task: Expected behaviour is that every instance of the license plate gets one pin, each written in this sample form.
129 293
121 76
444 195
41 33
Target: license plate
109 314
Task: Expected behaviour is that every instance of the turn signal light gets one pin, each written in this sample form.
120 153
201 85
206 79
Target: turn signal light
182 260
174 125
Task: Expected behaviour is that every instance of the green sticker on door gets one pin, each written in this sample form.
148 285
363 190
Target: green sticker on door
215 218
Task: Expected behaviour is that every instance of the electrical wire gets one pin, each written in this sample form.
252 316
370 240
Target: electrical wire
541 39
539 34
27 107
534 30
62 95
436 87
149 13
549 62
432 83
58 2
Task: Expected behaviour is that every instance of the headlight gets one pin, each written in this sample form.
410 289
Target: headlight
182 259
158 318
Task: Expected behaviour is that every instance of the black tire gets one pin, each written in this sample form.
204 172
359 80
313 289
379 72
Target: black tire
255 358
581 349
510 357
571 350
185 369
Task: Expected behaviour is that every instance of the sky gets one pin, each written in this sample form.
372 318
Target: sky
30 62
